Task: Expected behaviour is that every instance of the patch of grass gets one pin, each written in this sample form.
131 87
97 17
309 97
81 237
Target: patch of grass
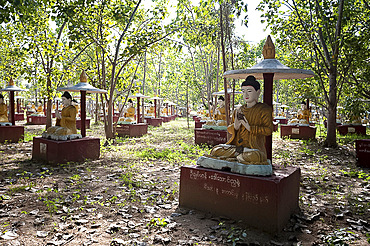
356 174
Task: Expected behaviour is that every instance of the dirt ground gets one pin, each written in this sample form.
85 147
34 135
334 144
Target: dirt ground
129 196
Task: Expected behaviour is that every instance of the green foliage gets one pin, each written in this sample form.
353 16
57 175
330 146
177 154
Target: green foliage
156 223
357 174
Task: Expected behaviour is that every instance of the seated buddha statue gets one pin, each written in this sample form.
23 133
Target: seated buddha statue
3 110
65 127
129 114
220 112
151 110
304 114
250 124
164 110
40 108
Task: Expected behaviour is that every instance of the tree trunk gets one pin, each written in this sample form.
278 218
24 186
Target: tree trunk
49 104
331 138
109 128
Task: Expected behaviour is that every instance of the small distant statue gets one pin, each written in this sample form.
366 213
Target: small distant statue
40 108
250 124
304 114
3 110
151 110
129 114
65 127
220 112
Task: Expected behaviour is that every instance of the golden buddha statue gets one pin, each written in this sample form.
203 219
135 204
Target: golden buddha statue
40 109
249 126
164 110
65 127
3 110
151 110
129 114
304 114
220 113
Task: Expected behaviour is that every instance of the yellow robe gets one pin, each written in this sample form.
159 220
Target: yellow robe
221 115
129 115
304 114
3 113
40 109
259 118
151 111
68 119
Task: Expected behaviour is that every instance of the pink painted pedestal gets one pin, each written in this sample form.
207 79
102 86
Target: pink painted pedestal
11 134
210 137
36 120
19 116
265 203
154 121
199 124
87 124
281 121
363 152
132 130
76 150
298 132
351 129
166 118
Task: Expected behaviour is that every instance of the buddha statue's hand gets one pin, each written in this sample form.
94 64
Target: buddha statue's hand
57 114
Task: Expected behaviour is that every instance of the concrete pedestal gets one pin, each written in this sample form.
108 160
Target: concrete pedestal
76 150
87 123
166 118
11 134
199 124
363 152
132 130
154 121
351 129
19 116
281 120
298 132
210 137
36 120
265 203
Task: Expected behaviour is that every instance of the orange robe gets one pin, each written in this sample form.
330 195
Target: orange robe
3 113
68 119
259 118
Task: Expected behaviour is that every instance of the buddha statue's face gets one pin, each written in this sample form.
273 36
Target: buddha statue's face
221 102
250 94
66 102
303 106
